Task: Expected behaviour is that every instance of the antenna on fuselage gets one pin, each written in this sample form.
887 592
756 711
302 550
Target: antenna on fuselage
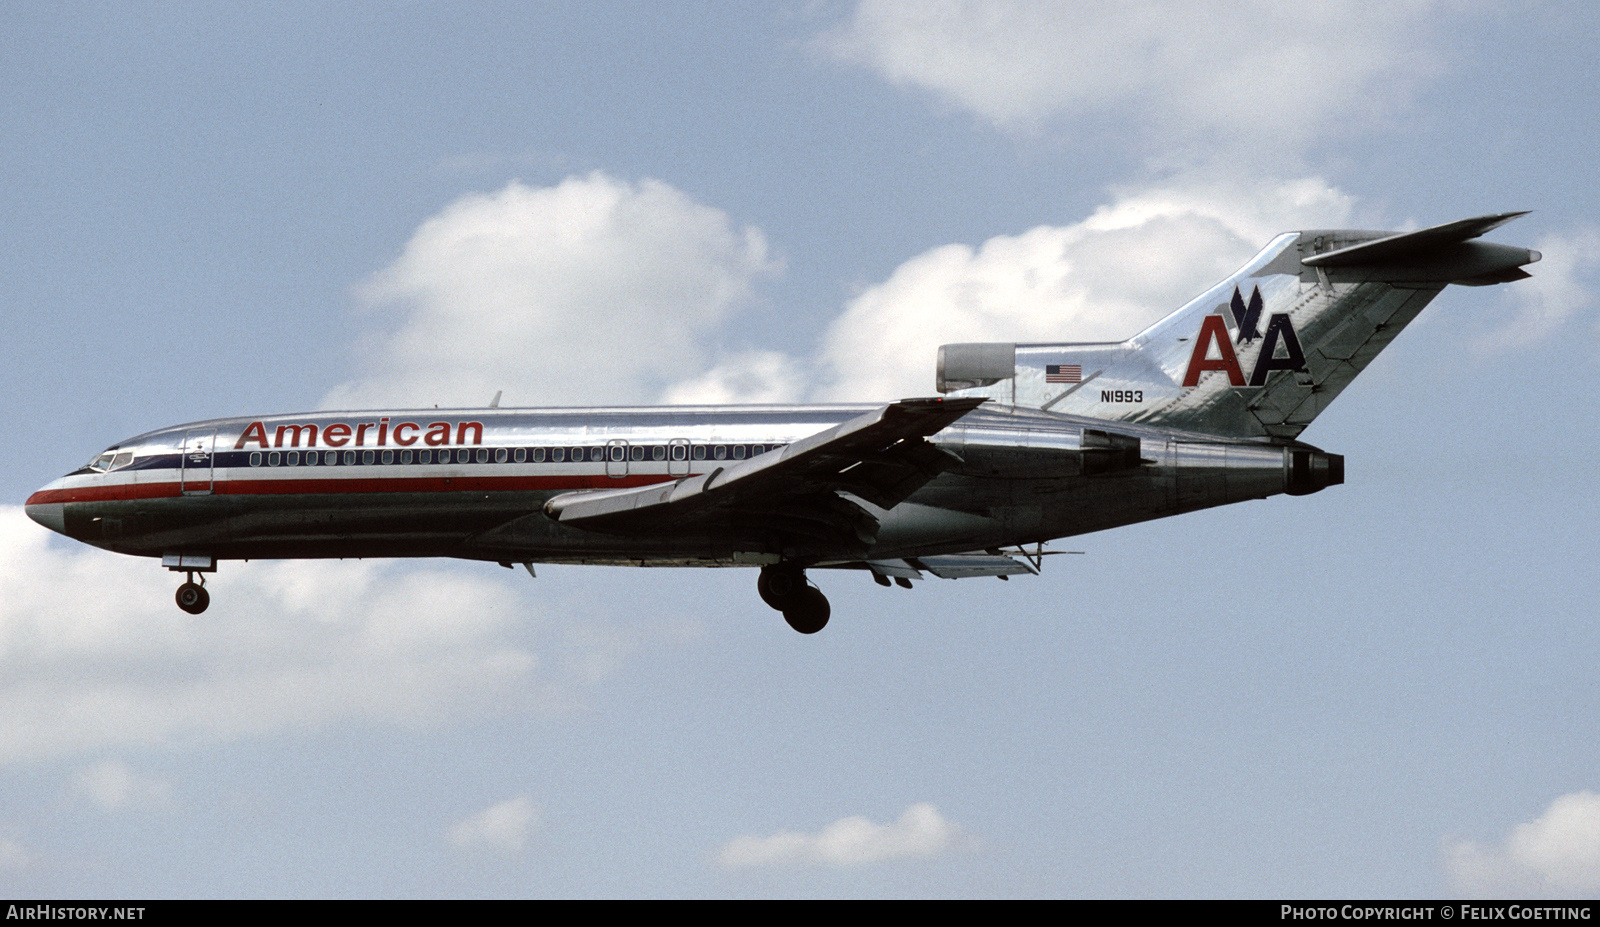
495 402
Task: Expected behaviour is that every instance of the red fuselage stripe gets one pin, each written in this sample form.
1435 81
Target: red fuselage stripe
434 484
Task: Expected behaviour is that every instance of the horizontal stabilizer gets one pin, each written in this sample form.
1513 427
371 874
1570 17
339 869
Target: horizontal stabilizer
1411 244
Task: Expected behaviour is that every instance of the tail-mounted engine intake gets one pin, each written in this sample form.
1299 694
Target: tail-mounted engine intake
964 366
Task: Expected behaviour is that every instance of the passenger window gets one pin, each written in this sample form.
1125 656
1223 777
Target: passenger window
406 456
699 452
499 455
255 458
388 457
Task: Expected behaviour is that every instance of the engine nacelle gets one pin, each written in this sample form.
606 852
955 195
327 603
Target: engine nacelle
967 366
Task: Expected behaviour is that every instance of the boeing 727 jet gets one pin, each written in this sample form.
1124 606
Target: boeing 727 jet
1027 443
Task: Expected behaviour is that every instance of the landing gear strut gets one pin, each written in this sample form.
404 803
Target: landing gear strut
784 588
192 596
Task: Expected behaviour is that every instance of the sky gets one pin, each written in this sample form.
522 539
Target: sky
213 209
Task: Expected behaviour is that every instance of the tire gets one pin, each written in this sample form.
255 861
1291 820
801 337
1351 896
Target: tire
808 612
193 598
779 585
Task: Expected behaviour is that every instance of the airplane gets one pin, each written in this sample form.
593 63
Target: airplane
1026 444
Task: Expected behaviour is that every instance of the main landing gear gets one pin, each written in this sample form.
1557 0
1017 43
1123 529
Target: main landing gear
785 588
192 596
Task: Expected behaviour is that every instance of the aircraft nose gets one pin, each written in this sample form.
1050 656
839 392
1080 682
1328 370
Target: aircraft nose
50 514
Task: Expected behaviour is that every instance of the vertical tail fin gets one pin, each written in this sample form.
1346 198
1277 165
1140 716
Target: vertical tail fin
1263 352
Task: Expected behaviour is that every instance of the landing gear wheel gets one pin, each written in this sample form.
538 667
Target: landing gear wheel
193 598
778 585
784 588
808 611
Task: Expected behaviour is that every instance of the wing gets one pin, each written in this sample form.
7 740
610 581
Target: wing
795 499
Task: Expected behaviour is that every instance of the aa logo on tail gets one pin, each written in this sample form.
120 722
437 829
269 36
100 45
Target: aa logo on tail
1280 337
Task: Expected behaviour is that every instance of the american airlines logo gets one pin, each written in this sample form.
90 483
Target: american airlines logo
339 434
1280 338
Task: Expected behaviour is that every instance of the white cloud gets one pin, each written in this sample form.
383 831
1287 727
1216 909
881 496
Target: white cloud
1556 854
1254 75
1563 286
597 291
1127 264
112 785
921 832
750 377
1102 279
95 656
505 826
593 291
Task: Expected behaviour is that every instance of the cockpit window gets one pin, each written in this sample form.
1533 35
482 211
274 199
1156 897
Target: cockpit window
111 459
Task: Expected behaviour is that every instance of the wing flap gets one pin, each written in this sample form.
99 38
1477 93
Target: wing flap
976 563
953 566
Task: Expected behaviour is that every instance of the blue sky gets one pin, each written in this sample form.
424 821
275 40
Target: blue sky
1384 689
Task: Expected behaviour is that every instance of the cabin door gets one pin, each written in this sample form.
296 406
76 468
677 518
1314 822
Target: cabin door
197 462
616 459
678 457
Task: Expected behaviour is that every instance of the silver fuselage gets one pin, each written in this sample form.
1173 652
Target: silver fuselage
472 483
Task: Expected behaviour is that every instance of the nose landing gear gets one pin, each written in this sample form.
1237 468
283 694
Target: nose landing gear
785 588
192 596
